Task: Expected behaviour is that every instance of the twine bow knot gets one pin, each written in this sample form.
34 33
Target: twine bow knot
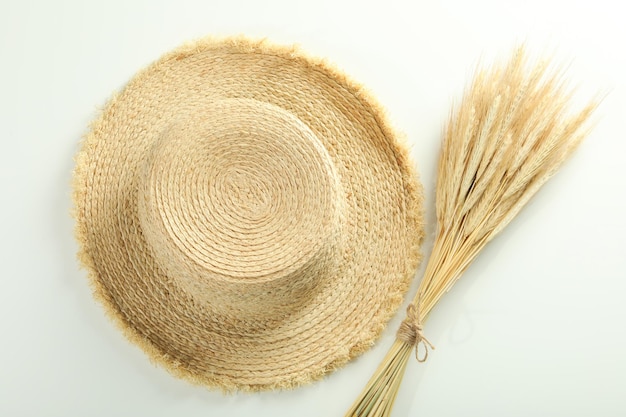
411 332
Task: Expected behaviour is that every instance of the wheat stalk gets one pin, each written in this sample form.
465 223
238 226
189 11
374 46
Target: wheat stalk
510 134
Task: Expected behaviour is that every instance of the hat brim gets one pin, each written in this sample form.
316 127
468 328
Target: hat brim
382 230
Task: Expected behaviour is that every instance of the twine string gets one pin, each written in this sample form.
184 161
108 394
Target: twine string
412 333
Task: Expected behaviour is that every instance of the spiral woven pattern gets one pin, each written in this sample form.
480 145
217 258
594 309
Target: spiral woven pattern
246 214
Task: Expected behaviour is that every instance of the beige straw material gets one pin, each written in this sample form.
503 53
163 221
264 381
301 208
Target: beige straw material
247 215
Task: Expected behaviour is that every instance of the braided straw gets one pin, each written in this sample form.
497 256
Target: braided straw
247 215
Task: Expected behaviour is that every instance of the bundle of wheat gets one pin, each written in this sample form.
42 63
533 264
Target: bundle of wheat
510 134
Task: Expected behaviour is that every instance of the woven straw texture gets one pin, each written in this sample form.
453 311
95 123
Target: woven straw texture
246 214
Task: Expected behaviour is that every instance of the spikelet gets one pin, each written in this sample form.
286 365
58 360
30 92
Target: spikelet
510 134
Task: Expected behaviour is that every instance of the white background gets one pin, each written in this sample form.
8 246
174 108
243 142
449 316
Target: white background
536 327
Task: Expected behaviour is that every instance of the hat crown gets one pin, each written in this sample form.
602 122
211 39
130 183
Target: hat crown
241 206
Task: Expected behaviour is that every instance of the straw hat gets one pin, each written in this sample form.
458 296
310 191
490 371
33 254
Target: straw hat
246 214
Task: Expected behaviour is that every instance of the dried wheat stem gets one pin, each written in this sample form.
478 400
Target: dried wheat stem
380 393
